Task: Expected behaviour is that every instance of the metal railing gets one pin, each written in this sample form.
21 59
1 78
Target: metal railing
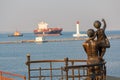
65 69
11 76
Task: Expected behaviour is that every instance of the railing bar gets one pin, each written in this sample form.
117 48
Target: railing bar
47 61
64 76
89 65
79 74
51 70
45 69
2 74
47 76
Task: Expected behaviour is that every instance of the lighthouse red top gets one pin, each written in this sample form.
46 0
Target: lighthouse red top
77 22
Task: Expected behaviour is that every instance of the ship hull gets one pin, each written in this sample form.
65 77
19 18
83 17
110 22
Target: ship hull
48 33
15 35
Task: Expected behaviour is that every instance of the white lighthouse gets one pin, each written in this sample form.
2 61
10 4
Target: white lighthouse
78 31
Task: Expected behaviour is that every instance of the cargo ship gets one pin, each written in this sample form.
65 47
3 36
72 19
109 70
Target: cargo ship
43 30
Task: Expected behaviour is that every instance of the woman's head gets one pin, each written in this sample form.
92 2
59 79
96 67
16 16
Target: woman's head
90 32
97 24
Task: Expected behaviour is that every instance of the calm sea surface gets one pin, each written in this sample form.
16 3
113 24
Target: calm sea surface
13 56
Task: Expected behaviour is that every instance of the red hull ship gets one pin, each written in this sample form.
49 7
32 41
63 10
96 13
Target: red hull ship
43 30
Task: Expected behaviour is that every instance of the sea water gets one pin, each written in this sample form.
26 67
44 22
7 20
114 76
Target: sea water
13 56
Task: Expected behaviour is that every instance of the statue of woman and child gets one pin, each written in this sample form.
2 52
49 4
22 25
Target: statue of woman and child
96 44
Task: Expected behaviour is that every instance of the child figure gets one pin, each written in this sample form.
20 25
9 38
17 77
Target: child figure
102 40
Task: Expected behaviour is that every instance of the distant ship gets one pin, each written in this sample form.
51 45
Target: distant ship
43 30
16 34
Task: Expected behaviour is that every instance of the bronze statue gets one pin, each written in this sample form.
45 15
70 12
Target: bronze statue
91 47
95 48
102 39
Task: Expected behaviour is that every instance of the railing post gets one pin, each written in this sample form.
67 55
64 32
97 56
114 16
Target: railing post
24 78
50 70
28 64
0 75
66 67
40 73
79 74
61 73
72 71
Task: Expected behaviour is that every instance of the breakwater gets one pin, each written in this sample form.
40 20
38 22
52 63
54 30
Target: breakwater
55 40
34 41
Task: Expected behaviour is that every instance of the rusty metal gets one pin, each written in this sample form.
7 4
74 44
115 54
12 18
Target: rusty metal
4 76
28 63
67 70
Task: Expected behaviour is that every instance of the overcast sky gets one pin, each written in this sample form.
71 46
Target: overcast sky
24 15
